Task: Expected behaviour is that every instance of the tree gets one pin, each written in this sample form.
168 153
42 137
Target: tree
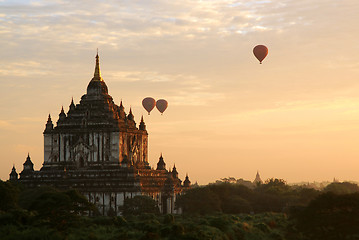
138 205
200 200
330 216
57 207
274 185
234 198
9 196
342 188
274 195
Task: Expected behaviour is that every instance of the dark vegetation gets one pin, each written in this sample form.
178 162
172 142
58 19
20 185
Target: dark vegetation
273 210
273 196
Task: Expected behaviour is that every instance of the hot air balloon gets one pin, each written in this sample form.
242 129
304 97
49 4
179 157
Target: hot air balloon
148 103
161 105
260 51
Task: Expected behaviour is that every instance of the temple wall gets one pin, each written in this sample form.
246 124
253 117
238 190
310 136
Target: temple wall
47 147
115 147
106 200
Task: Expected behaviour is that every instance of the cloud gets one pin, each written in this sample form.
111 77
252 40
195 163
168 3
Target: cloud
195 98
157 27
6 125
319 115
24 69
135 76
181 89
189 32
118 22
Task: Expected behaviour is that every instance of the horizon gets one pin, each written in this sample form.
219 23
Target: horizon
293 117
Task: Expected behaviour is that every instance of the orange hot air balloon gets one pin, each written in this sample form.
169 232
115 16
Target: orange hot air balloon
148 103
161 105
260 51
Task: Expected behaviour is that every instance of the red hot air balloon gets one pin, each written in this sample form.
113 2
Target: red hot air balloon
161 105
260 51
148 103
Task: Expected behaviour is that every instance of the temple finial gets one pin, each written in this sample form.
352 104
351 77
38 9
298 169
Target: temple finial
97 74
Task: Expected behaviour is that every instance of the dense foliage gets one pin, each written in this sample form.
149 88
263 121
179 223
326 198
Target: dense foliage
138 205
268 226
227 211
272 196
329 216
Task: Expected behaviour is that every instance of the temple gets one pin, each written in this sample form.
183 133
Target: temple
258 179
97 149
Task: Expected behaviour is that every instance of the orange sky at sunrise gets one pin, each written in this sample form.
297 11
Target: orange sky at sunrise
295 117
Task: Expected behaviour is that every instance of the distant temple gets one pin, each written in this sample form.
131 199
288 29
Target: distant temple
258 179
97 149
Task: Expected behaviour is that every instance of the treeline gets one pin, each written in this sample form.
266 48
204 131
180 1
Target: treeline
44 206
272 196
332 213
273 210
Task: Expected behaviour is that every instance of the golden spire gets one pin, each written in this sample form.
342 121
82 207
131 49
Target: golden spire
97 74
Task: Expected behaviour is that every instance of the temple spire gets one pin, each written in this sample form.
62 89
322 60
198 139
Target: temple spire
187 182
13 174
97 74
62 114
161 165
258 179
49 126
130 115
142 125
72 104
121 111
28 165
174 171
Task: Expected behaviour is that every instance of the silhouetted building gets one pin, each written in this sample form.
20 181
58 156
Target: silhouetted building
258 179
187 182
13 174
96 148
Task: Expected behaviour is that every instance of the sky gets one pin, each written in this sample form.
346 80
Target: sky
294 117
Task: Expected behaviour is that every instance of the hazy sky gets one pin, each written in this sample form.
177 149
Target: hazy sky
296 116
